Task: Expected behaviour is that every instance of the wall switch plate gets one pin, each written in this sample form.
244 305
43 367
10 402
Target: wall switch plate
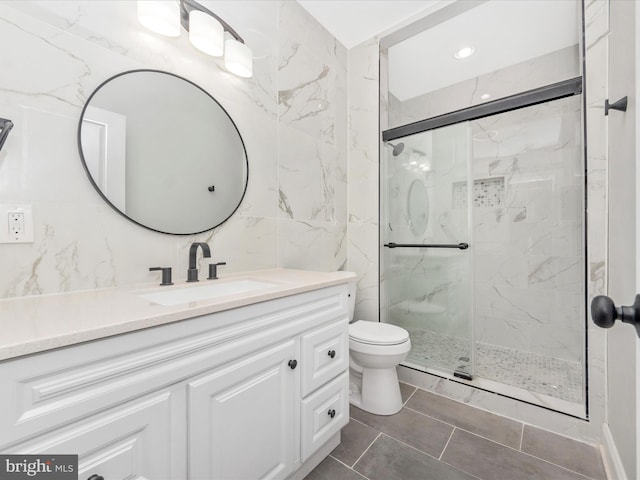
16 224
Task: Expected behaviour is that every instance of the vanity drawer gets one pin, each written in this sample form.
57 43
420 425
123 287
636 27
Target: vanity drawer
323 414
325 354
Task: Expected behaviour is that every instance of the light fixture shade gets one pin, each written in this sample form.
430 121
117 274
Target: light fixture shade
238 58
206 33
160 16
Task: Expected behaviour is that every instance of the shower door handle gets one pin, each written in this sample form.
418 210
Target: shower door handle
604 312
461 246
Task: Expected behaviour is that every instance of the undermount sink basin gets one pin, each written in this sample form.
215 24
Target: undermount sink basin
176 296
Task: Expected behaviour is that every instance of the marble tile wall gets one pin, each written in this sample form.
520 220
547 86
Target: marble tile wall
292 115
364 247
529 253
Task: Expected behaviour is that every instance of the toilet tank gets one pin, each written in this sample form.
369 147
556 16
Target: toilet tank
352 286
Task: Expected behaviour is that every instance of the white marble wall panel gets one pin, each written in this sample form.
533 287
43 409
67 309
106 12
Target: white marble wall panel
364 248
312 172
307 177
62 50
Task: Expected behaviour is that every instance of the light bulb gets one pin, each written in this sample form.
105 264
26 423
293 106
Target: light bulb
464 52
160 16
238 58
206 33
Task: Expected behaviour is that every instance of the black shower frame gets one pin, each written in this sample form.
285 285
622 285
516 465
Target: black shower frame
548 93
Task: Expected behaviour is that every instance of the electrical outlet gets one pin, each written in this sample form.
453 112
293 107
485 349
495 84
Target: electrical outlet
16 224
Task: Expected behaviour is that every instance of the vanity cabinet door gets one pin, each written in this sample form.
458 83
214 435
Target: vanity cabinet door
242 418
133 440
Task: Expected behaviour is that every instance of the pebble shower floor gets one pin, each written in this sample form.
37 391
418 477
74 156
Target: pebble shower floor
536 373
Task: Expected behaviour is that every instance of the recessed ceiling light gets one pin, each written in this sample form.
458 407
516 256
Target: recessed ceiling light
464 52
484 96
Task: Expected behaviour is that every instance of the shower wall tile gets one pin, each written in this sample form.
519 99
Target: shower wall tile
80 242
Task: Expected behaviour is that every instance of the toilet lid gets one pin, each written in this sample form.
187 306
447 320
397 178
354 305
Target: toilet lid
377 333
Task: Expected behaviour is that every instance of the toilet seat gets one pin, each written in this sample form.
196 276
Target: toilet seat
377 333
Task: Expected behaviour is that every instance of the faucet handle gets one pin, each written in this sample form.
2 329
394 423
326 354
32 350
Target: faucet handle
166 274
213 270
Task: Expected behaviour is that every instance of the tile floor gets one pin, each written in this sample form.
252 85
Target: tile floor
550 376
434 438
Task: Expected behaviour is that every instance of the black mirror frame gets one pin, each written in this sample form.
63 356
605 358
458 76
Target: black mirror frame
86 168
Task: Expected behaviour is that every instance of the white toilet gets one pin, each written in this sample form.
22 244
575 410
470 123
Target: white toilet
375 350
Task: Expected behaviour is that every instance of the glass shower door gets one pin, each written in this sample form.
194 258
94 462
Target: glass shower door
426 285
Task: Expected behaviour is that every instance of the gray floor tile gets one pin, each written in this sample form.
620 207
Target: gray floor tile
489 460
331 469
388 459
500 429
356 438
406 391
576 456
410 427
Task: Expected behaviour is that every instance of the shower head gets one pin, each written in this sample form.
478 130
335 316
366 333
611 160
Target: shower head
397 149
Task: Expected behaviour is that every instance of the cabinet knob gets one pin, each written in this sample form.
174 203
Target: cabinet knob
331 413
331 353
293 364
95 477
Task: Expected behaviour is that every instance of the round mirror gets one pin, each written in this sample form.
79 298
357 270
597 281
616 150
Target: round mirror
163 152
418 207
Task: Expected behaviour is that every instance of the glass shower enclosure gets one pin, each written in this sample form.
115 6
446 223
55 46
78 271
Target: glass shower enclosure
483 258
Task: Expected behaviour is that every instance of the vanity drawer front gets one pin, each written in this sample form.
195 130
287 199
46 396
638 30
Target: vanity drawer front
325 354
323 414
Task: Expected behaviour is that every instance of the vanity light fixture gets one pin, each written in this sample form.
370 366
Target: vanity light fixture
5 127
464 52
207 31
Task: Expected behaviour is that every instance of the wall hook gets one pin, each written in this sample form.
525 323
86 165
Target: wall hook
5 128
619 105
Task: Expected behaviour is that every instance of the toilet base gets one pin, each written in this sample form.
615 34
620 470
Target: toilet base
375 390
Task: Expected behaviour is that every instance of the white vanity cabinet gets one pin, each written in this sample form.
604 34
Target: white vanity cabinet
259 391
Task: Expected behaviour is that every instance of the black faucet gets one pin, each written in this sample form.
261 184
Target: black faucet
192 273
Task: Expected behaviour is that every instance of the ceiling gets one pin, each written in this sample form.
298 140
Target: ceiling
502 33
354 21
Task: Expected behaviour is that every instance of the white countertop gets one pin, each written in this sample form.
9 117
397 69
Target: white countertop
38 323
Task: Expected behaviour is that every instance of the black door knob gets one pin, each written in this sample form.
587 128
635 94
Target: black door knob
331 353
293 364
604 312
331 413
